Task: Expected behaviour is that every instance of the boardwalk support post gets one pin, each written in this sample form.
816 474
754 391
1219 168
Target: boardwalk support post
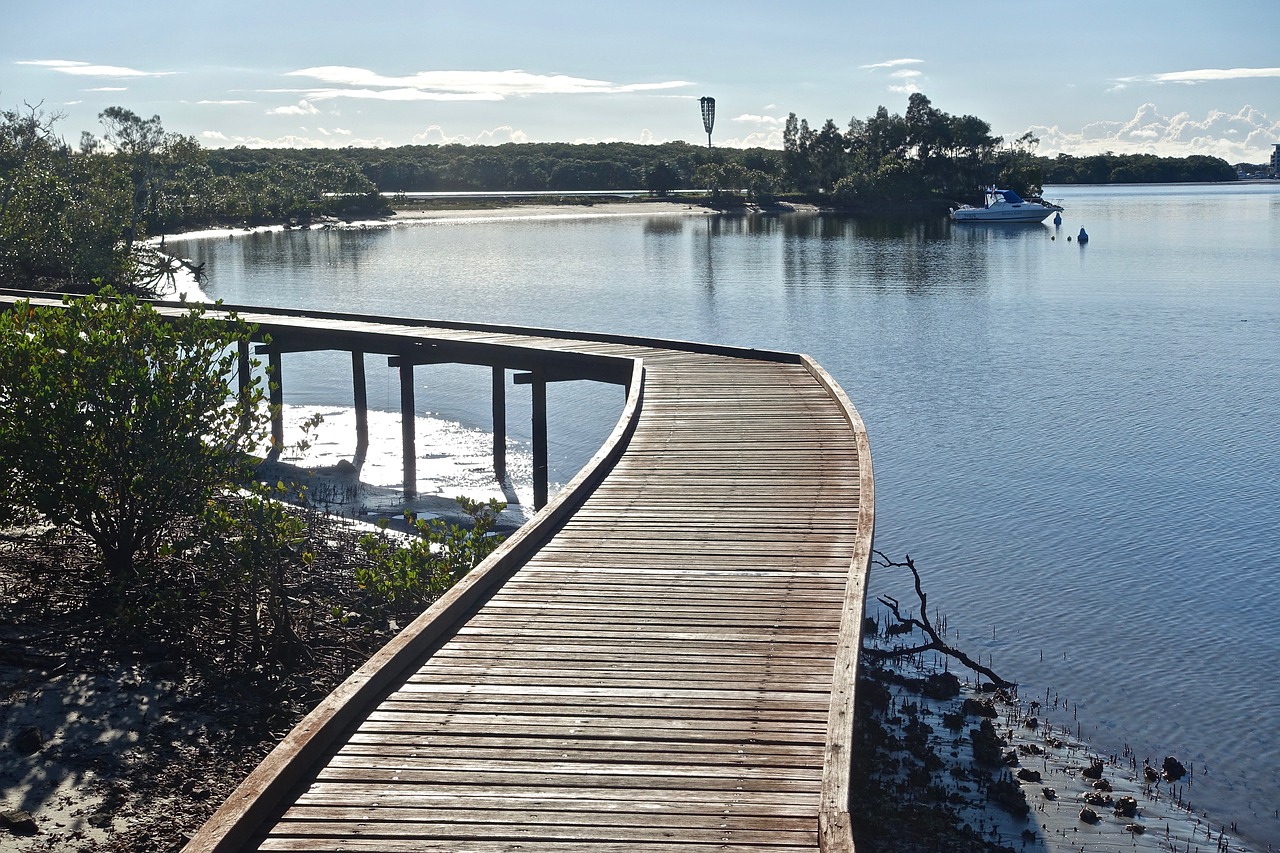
244 378
539 441
500 424
275 380
361 403
407 424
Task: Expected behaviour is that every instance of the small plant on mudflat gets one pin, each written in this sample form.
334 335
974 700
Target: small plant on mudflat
422 568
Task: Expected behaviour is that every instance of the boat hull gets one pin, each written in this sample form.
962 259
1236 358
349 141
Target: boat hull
1005 206
1019 213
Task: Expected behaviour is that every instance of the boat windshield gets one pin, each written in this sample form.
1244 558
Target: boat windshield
1009 196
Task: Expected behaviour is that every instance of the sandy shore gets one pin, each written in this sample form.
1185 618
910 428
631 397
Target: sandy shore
554 211
502 210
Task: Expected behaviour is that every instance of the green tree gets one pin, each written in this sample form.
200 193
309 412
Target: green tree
119 422
1018 168
61 215
828 156
138 141
661 178
797 160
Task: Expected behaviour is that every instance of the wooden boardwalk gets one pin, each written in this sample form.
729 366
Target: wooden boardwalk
662 659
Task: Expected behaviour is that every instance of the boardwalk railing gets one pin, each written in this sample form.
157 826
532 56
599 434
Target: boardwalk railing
664 656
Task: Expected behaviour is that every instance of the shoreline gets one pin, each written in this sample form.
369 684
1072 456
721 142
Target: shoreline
507 210
1058 773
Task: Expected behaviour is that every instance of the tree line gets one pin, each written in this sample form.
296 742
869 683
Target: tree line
1136 168
73 215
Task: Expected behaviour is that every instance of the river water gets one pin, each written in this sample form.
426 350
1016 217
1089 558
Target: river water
1076 443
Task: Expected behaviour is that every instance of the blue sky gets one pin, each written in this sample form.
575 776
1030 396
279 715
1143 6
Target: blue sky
1172 78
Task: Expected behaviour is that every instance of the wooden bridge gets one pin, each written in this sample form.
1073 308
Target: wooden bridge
663 658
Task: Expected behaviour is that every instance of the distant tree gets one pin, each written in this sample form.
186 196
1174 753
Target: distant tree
61 215
828 156
138 141
118 422
1017 167
661 178
972 147
928 129
797 144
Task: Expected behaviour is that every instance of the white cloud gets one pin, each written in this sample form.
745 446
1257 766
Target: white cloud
1202 75
893 63
500 135
222 103
108 89
764 121
302 108
218 138
347 82
1245 136
757 139
906 81
435 135
86 69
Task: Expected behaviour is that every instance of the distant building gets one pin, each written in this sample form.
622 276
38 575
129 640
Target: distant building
1275 160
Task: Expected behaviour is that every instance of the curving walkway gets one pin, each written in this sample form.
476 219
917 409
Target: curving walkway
662 659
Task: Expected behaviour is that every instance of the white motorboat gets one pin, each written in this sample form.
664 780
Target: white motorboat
1005 206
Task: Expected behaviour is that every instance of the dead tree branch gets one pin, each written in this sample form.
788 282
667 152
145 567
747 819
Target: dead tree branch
922 624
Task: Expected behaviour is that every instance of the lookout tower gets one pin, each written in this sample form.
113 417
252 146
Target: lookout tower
709 118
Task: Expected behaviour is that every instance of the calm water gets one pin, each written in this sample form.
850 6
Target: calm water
1078 444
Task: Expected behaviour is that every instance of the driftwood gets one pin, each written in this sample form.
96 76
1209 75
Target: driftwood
906 623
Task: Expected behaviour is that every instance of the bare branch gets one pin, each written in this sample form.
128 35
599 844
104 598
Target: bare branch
935 641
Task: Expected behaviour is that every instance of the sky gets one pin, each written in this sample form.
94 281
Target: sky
1172 78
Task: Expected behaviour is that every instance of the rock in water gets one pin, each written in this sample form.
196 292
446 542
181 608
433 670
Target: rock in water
1173 769
1126 807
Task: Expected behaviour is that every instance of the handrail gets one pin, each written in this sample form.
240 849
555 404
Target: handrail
242 814
835 825
498 328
